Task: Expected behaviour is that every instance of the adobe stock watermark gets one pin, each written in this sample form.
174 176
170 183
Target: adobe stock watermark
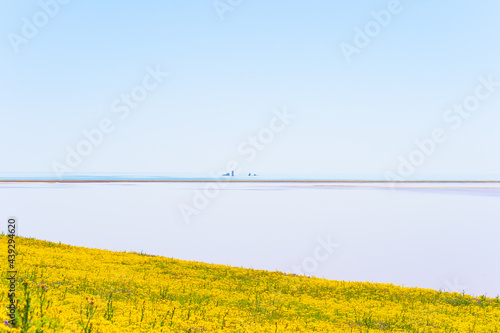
322 252
222 7
364 36
248 150
455 286
32 26
453 119
121 107
12 232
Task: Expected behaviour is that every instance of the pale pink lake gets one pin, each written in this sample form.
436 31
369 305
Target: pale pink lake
440 236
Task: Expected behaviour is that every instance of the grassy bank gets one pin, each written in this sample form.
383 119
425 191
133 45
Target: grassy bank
63 288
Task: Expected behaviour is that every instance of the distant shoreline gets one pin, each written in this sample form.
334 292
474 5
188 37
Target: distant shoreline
246 181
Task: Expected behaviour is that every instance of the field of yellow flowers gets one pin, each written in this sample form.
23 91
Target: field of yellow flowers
62 288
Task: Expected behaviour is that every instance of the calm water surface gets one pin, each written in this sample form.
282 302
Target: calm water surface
440 236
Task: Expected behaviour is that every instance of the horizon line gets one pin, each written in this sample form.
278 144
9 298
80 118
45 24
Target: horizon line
235 181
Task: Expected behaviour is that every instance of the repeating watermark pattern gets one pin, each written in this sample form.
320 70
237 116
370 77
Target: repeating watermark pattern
12 232
222 7
31 27
454 287
363 37
453 119
322 252
122 107
247 149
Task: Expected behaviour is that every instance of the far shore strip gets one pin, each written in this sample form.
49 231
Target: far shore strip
247 181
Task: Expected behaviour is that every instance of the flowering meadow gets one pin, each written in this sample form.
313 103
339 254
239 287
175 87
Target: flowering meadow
62 288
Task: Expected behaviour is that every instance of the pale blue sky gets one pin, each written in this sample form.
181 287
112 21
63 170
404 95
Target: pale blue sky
227 77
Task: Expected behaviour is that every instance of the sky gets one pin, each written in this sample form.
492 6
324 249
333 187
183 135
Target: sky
390 88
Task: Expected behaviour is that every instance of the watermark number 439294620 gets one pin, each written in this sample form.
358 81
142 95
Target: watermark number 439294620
11 273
